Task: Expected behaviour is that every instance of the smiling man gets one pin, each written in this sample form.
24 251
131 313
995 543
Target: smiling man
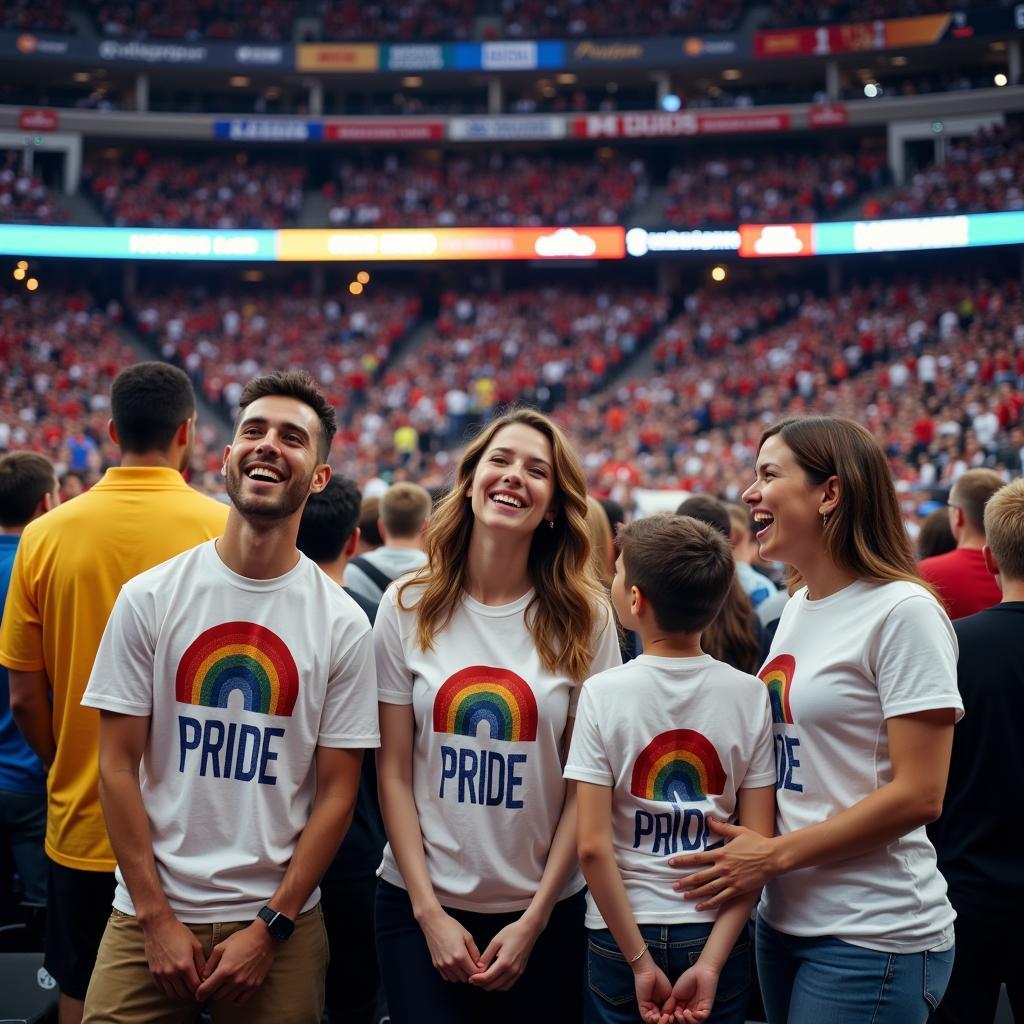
237 694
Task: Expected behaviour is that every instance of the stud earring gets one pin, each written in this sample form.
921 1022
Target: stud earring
551 524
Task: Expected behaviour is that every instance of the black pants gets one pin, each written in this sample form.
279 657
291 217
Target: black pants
548 991
989 953
353 981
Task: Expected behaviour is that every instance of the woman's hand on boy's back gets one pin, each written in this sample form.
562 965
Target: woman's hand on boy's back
694 994
742 865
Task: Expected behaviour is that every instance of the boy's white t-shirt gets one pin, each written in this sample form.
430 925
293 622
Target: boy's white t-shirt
675 739
242 680
486 764
839 667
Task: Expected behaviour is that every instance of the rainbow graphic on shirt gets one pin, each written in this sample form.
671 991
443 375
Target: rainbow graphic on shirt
243 657
482 693
777 675
679 766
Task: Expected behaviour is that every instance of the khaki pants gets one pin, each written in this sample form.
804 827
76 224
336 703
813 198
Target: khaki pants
122 991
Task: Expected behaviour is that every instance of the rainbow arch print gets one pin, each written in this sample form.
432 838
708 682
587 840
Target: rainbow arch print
243 657
482 693
777 675
678 766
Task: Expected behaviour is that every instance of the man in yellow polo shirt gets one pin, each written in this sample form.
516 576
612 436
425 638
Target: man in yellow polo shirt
67 573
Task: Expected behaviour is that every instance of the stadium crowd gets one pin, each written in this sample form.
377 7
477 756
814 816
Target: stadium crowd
980 174
210 191
934 366
224 340
483 189
725 189
60 352
256 20
24 197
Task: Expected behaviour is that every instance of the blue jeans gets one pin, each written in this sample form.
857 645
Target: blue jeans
608 993
828 981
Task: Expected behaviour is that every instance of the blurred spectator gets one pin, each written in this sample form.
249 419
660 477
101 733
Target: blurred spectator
960 576
975 838
404 517
745 550
28 489
935 536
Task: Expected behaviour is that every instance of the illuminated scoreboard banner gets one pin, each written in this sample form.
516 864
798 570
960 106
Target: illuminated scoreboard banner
314 246
137 243
399 245
912 234
586 243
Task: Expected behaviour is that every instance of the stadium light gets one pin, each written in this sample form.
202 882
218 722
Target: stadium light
1001 80
718 274
31 284
355 288
363 277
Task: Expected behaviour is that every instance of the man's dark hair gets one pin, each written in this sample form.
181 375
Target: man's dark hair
708 509
24 478
148 402
369 522
329 519
682 566
300 385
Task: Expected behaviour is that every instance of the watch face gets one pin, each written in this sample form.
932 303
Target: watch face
279 926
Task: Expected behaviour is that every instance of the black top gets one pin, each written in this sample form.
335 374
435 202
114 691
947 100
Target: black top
361 851
978 836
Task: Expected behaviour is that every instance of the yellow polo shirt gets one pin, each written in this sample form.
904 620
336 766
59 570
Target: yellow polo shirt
69 569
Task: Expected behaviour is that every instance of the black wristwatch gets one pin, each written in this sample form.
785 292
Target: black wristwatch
279 926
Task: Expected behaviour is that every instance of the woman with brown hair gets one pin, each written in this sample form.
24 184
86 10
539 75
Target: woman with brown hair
480 658
854 925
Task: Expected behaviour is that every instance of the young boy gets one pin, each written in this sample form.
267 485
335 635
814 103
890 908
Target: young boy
661 746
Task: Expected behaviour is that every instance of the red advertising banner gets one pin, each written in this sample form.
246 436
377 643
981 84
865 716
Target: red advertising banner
363 130
830 115
776 240
661 125
38 120
859 36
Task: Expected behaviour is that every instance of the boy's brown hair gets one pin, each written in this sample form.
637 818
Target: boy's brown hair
1004 529
682 566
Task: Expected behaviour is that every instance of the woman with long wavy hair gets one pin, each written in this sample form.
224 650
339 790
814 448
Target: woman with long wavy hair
854 926
480 657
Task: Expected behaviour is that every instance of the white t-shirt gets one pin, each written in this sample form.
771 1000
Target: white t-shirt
838 668
486 765
242 680
675 738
